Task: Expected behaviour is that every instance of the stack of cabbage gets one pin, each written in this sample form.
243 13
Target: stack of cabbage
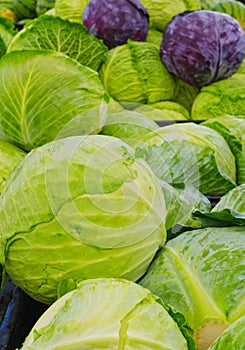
105 214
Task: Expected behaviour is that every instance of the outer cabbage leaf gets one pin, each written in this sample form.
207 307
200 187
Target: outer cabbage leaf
229 211
233 130
133 72
162 11
201 274
80 207
232 338
54 33
10 156
47 95
72 9
187 153
222 97
106 314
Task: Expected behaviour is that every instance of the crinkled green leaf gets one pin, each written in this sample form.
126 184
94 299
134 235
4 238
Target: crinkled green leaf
226 96
60 35
133 72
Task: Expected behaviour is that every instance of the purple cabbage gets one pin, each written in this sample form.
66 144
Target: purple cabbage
201 47
116 21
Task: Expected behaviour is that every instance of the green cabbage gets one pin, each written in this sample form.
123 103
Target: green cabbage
106 314
201 274
54 33
80 207
133 72
47 95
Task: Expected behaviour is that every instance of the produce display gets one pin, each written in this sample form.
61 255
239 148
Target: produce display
122 174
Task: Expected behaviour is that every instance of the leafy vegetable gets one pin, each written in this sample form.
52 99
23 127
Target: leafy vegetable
201 54
53 33
162 11
219 98
189 154
133 72
82 207
116 22
106 313
47 95
229 211
200 273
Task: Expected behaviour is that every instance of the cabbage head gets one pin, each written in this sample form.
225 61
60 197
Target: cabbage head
47 95
200 274
76 208
133 72
106 313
